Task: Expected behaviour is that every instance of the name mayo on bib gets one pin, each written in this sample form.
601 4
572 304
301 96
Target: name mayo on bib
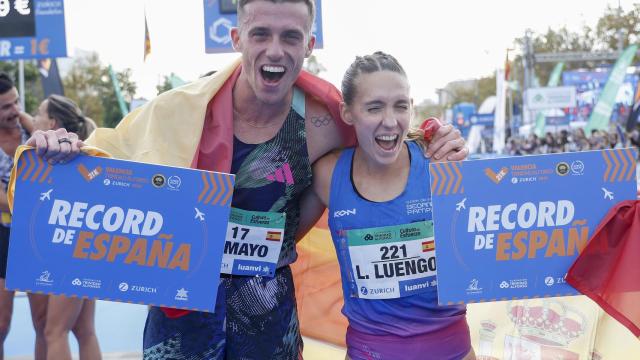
393 261
253 243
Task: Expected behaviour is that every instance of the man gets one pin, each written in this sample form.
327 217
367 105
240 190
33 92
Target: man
249 120
15 126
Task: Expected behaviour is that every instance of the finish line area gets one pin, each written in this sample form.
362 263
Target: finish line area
119 328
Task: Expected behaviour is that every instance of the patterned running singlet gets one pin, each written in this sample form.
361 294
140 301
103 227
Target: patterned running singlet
255 317
262 320
272 176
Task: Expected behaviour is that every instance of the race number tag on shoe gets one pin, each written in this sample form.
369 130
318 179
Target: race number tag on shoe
253 243
393 261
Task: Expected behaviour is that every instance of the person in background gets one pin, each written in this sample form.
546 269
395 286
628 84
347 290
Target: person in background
57 112
64 314
15 128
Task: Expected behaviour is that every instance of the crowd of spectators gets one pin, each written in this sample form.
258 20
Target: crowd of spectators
574 140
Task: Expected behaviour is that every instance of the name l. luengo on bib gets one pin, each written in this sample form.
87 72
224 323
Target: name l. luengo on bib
253 243
393 261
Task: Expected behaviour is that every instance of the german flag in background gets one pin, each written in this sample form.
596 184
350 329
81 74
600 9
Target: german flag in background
428 246
273 236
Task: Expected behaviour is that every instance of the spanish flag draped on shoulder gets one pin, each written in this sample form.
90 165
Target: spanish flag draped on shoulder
176 118
608 269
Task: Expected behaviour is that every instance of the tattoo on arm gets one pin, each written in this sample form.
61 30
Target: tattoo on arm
322 120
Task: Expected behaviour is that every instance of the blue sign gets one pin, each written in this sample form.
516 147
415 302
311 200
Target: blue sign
556 121
119 230
220 16
510 228
49 40
589 86
18 19
483 119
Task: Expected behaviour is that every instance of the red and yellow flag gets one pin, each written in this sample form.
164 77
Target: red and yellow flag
147 38
428 246
608 271
273 236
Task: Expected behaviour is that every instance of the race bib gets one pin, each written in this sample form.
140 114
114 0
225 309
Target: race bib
393 261
253 243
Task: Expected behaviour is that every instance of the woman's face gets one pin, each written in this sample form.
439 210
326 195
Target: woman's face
381 114
42 121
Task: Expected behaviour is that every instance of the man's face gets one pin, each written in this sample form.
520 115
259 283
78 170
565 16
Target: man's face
9 109
274 41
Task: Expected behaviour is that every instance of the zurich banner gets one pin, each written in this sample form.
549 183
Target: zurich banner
118 230
510 228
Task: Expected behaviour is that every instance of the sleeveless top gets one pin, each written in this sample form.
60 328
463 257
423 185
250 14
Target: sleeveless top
272 176
6 163
405 316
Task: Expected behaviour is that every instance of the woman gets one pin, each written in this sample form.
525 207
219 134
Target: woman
65 314
369 190
61 112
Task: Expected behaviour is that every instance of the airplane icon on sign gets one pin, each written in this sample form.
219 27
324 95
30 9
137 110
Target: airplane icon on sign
46 195
607 194
460 205
199 215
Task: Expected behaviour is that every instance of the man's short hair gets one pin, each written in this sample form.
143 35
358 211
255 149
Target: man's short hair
310 5
6 83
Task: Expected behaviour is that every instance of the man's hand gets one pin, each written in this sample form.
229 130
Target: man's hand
55 146
447 145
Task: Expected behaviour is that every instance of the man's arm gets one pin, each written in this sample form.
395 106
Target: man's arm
316 197
447 145
311 209
4 202
323 136
27 122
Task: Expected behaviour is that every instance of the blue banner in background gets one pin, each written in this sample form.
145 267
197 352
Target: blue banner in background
49 40
510 228
119 230
220 16
483 119
589 86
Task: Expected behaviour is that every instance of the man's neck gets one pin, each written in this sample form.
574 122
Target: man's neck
247 108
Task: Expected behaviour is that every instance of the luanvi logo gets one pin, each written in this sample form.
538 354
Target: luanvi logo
496 178
89 175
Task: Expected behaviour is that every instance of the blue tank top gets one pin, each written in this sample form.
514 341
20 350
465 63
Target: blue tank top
348 210
273 175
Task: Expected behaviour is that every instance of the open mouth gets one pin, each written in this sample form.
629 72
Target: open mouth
387 142
272 73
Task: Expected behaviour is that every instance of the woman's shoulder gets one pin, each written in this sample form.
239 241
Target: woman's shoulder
328 161
323 174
